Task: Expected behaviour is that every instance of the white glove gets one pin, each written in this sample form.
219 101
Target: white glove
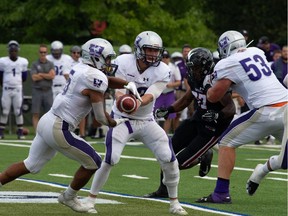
120 120
133 89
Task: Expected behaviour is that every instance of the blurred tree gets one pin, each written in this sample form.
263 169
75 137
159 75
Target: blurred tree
258 17
197 22
75 21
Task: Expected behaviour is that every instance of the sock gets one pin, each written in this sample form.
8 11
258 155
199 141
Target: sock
70 193
222 186
174 202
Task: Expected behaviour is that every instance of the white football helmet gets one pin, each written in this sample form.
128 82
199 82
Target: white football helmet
148 39
98 53
56 49
229 43
125 49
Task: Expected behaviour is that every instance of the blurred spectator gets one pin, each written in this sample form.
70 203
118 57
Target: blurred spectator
245 34
42 74
279 67
168 95
276 55
268 47
75 53
13 72
62 65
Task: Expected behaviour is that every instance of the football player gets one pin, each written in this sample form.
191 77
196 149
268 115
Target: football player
62 63
195 136
83 92
247 72
151 76
13 72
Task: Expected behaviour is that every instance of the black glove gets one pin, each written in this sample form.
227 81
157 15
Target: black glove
163 112
210 116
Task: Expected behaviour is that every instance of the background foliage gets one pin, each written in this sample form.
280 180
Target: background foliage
198 22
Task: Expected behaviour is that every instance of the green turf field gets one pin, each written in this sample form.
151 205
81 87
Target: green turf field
137 174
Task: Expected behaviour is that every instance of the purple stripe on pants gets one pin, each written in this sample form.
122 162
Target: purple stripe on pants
80 144
284 162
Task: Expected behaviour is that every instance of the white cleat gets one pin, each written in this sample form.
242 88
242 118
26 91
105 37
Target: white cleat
74 204
90 206
177 210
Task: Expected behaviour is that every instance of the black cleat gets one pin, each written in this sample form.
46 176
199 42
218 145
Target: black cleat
217 200
251 187
205 163
157 194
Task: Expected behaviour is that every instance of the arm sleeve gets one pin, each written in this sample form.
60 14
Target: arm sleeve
156 89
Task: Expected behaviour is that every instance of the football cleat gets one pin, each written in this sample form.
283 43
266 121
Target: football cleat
205 163
254 180
251 187
213 198
73 203
90 206
177 210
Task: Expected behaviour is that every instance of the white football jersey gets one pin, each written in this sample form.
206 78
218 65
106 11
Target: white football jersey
71 105
175 75
62 66
127 69
12 71
253 77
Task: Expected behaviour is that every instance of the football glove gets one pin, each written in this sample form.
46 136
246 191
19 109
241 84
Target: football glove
210 116
163 112
133 89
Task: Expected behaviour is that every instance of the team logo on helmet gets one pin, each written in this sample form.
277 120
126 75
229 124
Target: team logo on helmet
223 42
137 40
95 50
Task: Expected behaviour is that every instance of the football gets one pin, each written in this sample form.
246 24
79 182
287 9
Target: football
127 103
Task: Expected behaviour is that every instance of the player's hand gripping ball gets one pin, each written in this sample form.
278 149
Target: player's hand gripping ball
127 103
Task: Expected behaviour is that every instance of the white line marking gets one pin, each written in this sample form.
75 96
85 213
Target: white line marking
190 206
60 175
135 176
39 197
153 159
277 179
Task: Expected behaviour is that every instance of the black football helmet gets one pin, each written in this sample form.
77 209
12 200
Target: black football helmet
199 63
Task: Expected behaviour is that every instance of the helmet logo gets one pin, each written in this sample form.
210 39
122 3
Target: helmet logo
223 42
95 50
137 40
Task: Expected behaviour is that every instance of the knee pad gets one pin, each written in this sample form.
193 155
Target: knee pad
275 162
113 160
171 174
32 169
